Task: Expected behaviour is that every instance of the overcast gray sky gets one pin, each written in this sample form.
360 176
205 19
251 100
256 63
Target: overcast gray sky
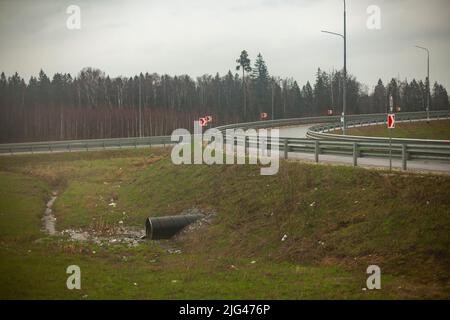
206 36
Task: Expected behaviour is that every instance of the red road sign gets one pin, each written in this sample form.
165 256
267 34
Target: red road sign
208 118
391 121
203 122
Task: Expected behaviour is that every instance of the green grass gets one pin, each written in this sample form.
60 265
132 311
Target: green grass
400 222
434 130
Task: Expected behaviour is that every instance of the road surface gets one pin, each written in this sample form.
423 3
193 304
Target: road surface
295 131
413 165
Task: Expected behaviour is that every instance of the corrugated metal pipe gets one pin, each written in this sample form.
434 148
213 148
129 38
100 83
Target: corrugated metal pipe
166 227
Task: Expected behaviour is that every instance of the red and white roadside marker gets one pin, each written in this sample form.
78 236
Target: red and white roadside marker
390 125
202 122
391 121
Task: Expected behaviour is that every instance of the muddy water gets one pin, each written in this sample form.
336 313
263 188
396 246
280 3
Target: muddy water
128 236
121 235
117 234
49 218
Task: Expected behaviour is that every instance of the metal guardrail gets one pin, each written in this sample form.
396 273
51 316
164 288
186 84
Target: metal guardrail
333 122
77 145
95 144
322 132
356 150
319 143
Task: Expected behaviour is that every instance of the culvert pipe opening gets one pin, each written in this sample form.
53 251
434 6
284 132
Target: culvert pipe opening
166 227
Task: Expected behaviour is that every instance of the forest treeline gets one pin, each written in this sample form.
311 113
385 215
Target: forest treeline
95 105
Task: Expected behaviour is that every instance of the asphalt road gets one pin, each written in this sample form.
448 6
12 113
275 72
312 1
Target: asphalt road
295 131
413 165
300 132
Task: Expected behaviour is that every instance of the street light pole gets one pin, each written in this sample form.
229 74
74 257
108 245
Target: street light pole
283 98
344 103
428 80
273 99
344 91
140 109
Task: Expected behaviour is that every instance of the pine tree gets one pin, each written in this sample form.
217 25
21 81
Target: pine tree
260 77
322 97
414 97
244 64
392 90
439 97
379 98
308 98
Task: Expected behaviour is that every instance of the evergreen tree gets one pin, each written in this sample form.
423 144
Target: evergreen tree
392 90
260 77
414 97
439 97
244 64
308 99
322 95
93 105
379 98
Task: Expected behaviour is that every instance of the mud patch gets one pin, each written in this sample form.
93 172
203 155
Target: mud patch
119 235
49 219
199 224
130 236
123 235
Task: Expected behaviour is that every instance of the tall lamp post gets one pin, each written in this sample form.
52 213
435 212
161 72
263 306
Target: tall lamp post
428 80
140 108
273 100
283 98
344 93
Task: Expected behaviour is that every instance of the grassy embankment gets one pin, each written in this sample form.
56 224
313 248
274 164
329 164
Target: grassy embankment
434 130
338 220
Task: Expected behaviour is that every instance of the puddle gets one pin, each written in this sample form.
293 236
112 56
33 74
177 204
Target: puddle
116 234
128 236
120 235
49 218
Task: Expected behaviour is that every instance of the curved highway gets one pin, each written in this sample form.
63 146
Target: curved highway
295 131
415 165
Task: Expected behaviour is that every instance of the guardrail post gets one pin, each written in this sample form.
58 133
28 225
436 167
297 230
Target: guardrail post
355 154
316 151
245 145
286 150
404 156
